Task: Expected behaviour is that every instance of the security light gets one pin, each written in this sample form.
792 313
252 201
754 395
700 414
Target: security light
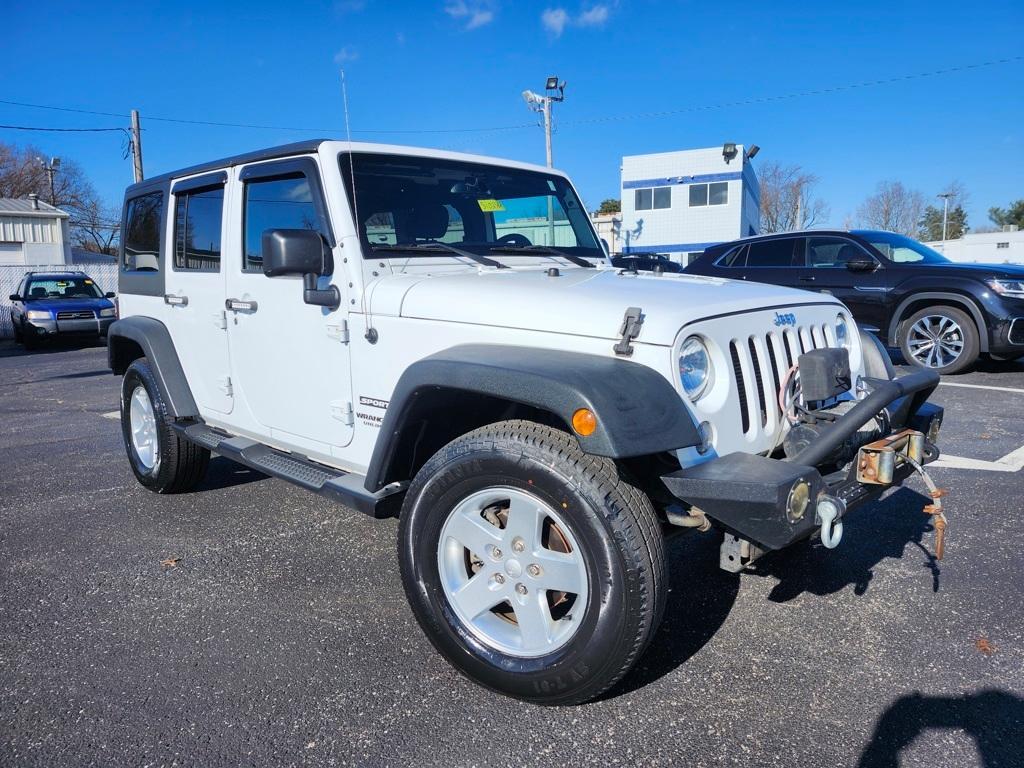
729 151
552 83
55 162
754 149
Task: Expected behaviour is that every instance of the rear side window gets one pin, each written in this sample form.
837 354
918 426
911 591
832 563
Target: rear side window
737 257
198 215
142 232
771 253
279 203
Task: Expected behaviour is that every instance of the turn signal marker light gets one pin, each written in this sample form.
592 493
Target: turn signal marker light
584 422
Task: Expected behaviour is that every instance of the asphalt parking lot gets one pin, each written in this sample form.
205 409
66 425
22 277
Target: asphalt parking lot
253 623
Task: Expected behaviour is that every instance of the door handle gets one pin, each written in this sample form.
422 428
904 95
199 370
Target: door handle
237 305
175 301
807 278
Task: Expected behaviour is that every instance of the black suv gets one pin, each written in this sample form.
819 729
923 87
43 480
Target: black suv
940 314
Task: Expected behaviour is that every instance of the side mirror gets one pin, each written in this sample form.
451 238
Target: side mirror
14 297
300 252
606 247
861 265
109 295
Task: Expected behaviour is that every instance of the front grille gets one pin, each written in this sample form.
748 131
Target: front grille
1017 331
760 364
80 315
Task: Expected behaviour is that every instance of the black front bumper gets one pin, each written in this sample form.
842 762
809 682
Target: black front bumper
749 495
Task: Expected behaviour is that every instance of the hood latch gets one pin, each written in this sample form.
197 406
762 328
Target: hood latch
632 321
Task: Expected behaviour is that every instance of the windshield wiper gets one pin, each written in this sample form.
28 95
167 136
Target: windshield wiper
579 262
413 247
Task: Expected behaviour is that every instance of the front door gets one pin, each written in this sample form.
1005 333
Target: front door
865 292
289 359
195 290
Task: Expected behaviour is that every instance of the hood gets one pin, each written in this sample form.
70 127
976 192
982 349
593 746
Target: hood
69 305
970 269
581 302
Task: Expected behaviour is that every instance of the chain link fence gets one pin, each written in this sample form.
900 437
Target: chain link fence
105 276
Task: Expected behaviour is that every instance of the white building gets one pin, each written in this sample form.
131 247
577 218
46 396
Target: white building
984 247
680 203
32 232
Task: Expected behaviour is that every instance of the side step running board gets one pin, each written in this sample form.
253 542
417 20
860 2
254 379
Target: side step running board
336 484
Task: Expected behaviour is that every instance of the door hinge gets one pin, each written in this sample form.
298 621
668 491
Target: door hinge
342 411
224 384
220 319
338 331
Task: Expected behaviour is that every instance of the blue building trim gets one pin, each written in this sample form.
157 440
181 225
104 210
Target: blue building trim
670 248
670 180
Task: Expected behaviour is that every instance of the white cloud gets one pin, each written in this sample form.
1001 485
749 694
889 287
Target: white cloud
471 13
593 17
347 53
555 20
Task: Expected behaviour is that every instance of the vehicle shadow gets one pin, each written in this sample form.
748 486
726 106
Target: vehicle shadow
10 348
993 718
700 597
225 473
872 534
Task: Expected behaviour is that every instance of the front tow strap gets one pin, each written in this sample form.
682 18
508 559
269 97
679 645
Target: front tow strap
935 508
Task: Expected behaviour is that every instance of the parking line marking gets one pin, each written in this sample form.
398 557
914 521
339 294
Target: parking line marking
981 386
115 415
1011 462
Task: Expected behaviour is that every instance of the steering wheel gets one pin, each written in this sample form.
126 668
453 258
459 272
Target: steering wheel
515 240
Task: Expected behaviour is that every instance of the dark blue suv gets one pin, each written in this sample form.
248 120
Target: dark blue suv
52 304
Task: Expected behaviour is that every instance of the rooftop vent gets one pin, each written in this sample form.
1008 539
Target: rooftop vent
34 199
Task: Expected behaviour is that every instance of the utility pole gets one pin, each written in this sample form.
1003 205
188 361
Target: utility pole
51 170
554 91
799 207
945 211
136 146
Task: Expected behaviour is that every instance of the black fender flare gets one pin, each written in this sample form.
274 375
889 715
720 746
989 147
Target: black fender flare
153 338
638 411
959 299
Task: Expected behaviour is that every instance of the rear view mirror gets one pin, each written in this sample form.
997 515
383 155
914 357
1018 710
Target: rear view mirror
292 252
861 265
300 252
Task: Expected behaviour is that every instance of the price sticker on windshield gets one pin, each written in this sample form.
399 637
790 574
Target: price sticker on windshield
490 206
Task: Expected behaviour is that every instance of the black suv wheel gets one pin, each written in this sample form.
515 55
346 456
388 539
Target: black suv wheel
943 339
535 569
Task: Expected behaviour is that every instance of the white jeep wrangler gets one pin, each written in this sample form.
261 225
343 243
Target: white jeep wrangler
442 337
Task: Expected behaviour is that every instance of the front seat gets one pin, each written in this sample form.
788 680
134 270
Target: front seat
425 223
38 293
848 252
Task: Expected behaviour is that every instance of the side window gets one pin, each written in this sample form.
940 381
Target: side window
715 193
772 253
198 215
652 198
643 199
737 257
142 233
832 252
279 203
663 197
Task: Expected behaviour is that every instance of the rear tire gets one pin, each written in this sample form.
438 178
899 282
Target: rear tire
161 460
477 514
942 339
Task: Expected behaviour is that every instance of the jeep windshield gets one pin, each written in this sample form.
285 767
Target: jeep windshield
410 207
62 288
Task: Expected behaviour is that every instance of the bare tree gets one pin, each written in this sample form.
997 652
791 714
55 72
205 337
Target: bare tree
893 207
97 228
787 199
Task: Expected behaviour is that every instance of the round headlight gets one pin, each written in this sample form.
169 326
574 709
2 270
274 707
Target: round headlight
843 332
694 367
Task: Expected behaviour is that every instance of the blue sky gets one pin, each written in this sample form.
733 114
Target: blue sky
456 64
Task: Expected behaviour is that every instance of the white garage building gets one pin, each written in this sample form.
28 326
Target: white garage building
680 203
32 232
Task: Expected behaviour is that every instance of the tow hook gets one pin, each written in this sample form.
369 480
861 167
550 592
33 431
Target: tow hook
830 512
935 508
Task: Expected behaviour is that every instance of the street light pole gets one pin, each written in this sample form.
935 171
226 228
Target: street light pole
945 211
554 91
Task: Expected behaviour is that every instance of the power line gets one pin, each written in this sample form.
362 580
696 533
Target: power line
520 126
61 130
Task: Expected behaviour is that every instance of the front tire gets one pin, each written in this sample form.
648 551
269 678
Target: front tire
535 569
942 339
161 460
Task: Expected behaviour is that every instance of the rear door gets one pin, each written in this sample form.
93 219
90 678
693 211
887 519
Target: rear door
774 261
195 288
289 359
864 291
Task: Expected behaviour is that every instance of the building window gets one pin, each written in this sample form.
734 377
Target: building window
142 232
652 198
716 193
1002 245
198 217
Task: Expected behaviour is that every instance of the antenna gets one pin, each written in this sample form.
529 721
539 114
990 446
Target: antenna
351 162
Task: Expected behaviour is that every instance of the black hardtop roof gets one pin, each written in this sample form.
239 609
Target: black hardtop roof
271 153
